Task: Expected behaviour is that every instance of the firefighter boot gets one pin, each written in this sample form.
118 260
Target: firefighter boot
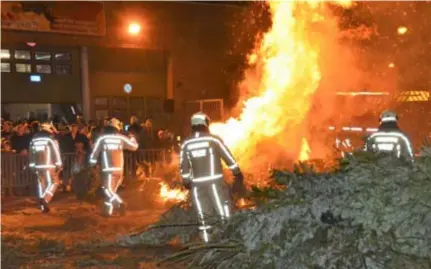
106 209
122 209
44 206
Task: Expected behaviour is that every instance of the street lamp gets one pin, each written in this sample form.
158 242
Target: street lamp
402 30
134 28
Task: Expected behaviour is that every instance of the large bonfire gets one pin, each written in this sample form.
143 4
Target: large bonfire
279 86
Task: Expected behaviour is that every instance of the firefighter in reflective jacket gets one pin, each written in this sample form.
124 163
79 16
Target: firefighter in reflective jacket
389 138
202 173
109 147
45 161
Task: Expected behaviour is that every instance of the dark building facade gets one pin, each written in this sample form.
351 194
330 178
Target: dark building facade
82 53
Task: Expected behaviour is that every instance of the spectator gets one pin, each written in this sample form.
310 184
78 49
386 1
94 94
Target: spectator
34 127
21 139
79 164
163 143
6 130
94 133
91 124
6 146
82 137
166 142
66 139
106 121
148 137
134 128
79 119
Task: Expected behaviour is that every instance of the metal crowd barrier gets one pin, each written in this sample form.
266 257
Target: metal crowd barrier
18 179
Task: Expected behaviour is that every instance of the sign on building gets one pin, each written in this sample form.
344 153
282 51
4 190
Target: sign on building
68 17
127 88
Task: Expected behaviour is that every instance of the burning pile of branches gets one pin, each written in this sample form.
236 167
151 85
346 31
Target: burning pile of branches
372 213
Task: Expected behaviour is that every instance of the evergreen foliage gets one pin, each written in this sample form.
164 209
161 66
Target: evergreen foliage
372 212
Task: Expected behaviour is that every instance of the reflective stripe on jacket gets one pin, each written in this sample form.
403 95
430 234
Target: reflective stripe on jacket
110 148
200 158
394 142
44 153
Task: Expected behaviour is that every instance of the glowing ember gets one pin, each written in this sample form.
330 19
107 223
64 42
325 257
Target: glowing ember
241 202
277 90
168 194
304 155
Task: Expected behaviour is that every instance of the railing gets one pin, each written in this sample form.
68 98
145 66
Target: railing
18 179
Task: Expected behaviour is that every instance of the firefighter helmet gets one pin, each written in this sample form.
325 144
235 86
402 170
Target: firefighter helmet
114 122
388 116
48 127
200 119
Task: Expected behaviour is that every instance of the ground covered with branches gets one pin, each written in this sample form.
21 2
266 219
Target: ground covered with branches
371 212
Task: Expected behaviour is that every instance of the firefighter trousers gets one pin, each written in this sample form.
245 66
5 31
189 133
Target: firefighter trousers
212 203
48 182
111 182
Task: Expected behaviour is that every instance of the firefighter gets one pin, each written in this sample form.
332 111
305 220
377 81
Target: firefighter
110 148
202 173
45 161
389 138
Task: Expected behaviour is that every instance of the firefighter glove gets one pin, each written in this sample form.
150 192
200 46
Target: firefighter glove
187 184
238 184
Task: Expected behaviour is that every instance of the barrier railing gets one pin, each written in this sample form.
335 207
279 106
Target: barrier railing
18 179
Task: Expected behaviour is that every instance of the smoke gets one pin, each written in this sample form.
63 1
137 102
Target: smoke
346 66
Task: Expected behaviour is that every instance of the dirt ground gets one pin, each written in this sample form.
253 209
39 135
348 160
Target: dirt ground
74 235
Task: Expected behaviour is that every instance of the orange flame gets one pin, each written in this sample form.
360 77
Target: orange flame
175 195
276 94
304 155
284 77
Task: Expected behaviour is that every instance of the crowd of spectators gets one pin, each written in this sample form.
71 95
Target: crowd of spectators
81 135
79 138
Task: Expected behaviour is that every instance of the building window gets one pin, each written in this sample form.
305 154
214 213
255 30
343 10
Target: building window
63 69
22 55
43 68
42 56
139 113
154 105
101 101
5 67
23 68
5 54
62 56
119 101
136 102
100 114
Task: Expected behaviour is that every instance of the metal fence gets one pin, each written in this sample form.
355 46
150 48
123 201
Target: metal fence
212 107
18 179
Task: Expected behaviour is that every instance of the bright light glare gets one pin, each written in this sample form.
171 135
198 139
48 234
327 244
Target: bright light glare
35 78
134 28
402 30
391 65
